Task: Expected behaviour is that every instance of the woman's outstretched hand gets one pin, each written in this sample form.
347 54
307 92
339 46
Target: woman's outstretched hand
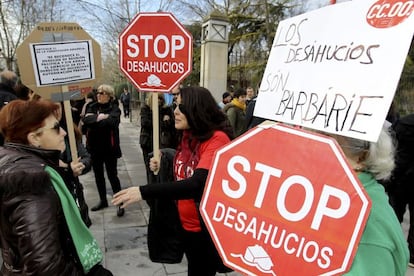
127 196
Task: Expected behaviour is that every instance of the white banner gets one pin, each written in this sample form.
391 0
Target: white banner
62 62
336 69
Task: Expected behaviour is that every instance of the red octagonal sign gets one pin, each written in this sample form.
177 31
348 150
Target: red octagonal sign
155 52
282 201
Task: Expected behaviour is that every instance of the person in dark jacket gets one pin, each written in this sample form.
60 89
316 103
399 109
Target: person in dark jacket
164 227
23 92
167 132
251 120
41 232
101 121
71 169
125 100
204 129
236 112
401 189
8 82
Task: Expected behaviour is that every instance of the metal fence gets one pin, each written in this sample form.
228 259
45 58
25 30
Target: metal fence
247 70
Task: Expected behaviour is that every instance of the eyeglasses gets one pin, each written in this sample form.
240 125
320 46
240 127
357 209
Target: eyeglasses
56 128
175 94
101 93
181 107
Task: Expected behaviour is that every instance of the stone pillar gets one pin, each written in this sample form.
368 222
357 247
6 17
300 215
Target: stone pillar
214 54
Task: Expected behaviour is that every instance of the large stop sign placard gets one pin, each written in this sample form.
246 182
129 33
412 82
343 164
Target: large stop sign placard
155 51
283 201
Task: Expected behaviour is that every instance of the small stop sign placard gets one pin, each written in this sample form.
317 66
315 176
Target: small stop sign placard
291 206
155 52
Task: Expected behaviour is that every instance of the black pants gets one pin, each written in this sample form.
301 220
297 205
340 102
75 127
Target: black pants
202 256
401 194
126 110
111 171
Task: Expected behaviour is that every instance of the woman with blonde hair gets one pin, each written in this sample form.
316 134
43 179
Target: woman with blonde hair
101 122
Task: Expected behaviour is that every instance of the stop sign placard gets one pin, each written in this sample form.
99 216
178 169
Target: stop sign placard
155 51
292 206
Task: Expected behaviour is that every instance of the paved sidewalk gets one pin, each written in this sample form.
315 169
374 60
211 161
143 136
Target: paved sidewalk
124 240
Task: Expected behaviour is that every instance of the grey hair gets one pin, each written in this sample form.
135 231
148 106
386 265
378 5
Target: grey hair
8 78
108 89
380 159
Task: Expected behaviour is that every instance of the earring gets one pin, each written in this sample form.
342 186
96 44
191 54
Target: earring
359 168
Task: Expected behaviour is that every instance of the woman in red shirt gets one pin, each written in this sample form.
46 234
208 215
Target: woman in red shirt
204 129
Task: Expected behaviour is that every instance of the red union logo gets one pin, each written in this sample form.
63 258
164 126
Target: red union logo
280 208
155 51
389 13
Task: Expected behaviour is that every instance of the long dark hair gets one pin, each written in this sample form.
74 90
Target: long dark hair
203 113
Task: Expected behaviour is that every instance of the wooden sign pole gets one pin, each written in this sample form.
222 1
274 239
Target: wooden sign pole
69 126
155 128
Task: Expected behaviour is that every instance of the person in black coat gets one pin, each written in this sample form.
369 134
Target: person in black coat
8 82
70 170
401 189
168 134
125 100
101 121
251 120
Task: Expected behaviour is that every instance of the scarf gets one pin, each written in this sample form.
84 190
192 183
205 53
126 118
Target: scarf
187 156
238 104
86 246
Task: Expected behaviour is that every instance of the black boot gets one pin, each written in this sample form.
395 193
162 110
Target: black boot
100 206
120 212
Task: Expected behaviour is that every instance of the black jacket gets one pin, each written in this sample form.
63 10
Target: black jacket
35 239
168 133
164 226
102 138
125 98
251 120
404 133
6 95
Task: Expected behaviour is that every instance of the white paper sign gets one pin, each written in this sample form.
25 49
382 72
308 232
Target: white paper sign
62 62
336 69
